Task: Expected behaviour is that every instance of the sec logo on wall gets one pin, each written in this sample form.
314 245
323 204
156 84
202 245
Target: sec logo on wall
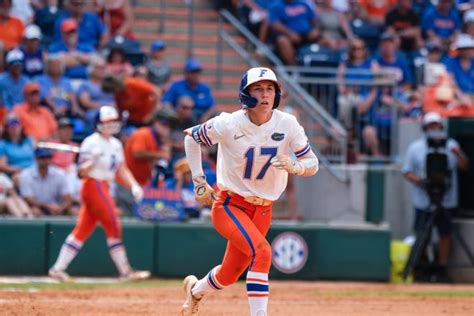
290 252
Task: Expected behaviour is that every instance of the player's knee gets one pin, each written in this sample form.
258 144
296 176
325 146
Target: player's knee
113 231
263 257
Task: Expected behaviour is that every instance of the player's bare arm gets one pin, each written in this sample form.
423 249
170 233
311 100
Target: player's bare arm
124 173
85 168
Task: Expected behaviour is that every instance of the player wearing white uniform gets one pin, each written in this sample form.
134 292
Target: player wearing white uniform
253 163
101 158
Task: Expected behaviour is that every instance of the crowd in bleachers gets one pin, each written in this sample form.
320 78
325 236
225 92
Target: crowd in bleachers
60 61
426 46
63 60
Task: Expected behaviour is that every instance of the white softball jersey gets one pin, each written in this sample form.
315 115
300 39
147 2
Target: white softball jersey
107 153
245 151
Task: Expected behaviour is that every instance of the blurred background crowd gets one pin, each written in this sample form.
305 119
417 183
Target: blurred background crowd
62 60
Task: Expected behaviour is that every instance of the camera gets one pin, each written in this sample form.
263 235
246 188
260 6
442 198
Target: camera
438 174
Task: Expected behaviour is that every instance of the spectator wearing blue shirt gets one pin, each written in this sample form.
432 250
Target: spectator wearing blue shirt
90 94
158 69
12 81
16 149
356 98
192 86
461 67
91 29
393 61
56 90
295 24
76 55
45 187
46 18
33 65
254 13
442 23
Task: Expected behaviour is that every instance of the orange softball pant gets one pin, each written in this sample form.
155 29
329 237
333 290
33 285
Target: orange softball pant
97 206
245 226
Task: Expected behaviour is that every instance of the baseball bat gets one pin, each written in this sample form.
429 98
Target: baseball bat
57 146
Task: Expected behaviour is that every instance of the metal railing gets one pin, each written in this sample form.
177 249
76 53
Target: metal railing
327 136
342 94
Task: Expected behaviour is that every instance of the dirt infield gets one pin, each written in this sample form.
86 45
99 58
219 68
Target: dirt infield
164 297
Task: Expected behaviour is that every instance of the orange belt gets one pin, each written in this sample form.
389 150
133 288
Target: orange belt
254 200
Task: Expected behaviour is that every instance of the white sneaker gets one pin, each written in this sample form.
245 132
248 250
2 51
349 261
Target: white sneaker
59 275
191 304
135 276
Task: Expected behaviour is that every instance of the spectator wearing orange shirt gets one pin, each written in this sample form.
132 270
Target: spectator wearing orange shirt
11 28
147 145
374 11
143 150
38 122
137 96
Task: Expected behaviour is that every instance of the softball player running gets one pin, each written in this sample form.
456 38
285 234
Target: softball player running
253 163
100 159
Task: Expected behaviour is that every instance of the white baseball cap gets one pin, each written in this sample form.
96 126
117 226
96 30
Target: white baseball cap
15 56
469 16
464 41
107 114
32 31
259 74
432 117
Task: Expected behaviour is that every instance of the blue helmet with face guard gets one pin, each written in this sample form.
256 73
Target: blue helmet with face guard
252 76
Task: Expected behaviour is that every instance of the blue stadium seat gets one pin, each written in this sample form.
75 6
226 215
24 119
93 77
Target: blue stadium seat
136 58
369 33
315 55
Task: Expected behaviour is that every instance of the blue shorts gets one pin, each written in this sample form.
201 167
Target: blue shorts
443 220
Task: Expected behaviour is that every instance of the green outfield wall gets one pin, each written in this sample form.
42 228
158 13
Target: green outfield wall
300 251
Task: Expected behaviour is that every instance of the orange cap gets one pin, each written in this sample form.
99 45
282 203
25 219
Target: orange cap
68 25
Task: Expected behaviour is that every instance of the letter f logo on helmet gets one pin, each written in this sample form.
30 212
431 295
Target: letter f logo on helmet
252 76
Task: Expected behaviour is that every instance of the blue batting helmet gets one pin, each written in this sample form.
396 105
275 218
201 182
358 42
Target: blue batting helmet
252 76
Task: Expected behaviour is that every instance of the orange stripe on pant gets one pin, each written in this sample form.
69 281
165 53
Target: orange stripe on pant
97 206
244 226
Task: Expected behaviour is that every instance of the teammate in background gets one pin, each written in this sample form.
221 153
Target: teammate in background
253 162
101 158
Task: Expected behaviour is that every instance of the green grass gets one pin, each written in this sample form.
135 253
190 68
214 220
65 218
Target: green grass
396 293
42 286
